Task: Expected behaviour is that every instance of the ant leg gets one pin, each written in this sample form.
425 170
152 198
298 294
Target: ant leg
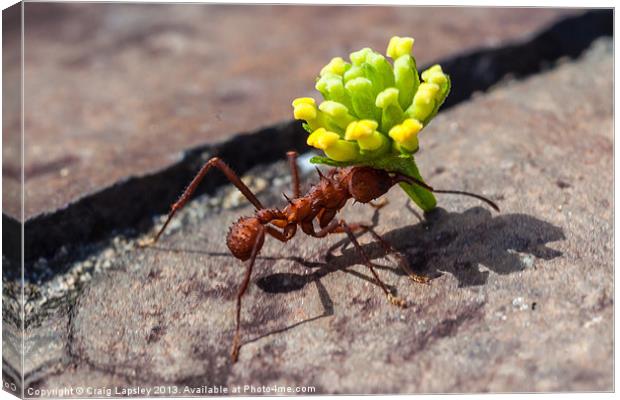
234 353
387 247
287 233
227 171
342 226
402 261
292 162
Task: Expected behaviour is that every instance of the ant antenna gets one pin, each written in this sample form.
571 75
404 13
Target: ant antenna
411 180
477 196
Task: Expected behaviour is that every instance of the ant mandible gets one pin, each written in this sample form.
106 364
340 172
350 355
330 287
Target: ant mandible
246 236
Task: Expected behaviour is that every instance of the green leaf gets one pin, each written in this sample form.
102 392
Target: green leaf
422 197
330 162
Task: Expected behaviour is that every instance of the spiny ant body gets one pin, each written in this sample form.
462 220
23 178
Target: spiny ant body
322 202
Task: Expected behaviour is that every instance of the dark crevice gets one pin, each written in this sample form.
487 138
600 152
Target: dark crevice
129 204
478 70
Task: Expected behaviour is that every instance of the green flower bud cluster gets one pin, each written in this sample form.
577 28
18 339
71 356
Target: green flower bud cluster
372 108
373 111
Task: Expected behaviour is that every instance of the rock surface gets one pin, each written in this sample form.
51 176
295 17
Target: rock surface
520 301
134 85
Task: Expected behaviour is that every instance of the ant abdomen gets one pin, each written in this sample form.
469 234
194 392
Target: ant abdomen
242 237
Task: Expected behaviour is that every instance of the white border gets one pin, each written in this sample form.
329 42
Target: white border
543 3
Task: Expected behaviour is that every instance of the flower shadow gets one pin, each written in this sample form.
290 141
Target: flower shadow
457 243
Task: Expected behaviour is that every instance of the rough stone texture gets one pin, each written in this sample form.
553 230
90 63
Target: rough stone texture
114 91
521 301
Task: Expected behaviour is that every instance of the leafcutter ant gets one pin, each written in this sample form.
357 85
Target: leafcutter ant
322 202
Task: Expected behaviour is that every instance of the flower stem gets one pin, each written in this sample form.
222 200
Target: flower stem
421 196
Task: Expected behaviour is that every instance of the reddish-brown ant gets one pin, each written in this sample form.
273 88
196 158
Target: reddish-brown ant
246 237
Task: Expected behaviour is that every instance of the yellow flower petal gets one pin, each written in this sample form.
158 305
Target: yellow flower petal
334 147
426 93
372 142
322 139
438 78
406 134
432 70
335 66
360 129
342 151
358 57
387 97
303 100
304 112
399 46
435 75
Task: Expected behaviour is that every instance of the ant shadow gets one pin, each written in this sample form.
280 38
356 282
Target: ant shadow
441 242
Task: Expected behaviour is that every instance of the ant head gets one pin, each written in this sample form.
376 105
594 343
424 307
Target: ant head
367 184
